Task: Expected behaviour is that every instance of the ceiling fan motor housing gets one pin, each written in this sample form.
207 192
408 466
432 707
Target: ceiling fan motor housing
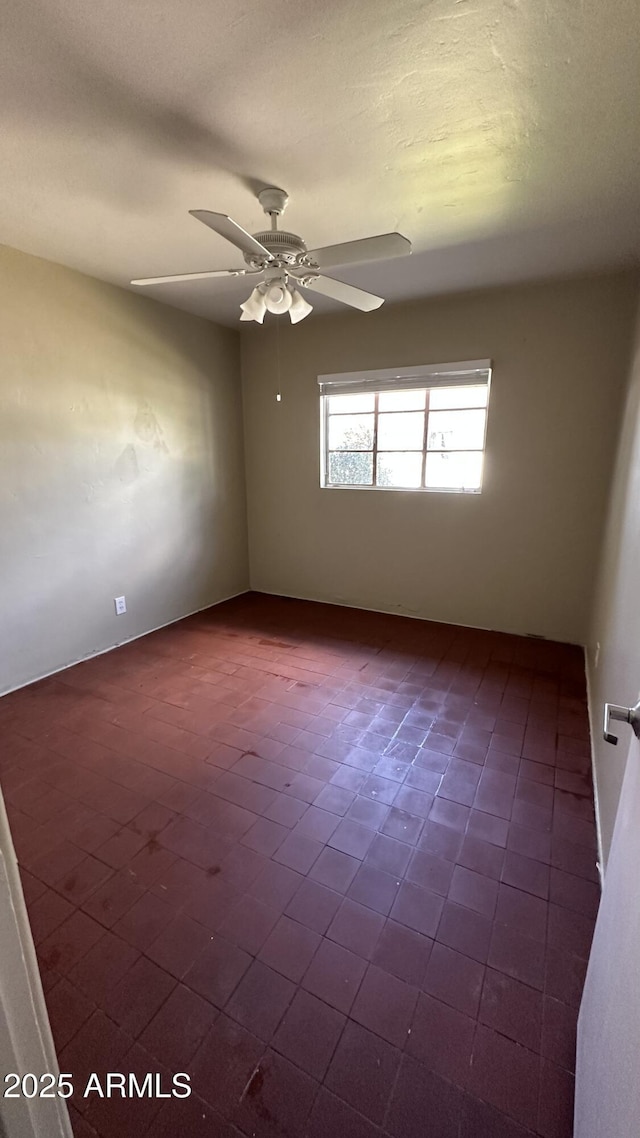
285 247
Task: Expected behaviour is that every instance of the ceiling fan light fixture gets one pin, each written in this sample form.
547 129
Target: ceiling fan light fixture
254 308
299 307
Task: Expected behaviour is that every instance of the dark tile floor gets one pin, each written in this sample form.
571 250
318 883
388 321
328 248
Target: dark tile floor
338 867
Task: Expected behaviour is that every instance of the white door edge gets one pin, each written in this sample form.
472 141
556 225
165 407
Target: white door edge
26 1042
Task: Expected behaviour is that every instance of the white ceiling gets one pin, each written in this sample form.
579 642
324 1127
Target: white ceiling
501 136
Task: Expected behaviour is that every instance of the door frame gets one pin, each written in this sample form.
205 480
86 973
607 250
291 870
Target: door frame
26 1042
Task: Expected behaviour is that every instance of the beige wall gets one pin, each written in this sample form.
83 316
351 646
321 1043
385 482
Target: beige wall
521 556
616 618
121 466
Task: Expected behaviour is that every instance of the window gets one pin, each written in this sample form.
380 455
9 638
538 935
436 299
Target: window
410 429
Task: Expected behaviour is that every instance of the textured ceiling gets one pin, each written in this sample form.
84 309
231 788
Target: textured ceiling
501 136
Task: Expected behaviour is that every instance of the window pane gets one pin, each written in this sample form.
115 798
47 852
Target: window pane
455 430
471 396
401 431
400 470
350 468
454 471
350 403
350 432
401 400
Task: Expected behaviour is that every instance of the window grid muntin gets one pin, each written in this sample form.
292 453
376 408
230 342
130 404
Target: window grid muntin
373 485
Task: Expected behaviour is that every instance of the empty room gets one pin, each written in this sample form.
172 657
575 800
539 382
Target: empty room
319 549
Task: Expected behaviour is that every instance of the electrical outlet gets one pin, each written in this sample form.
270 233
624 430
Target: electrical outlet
121 605
597 655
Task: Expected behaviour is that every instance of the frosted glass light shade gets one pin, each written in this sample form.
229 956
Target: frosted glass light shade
277 298
299 307
254 308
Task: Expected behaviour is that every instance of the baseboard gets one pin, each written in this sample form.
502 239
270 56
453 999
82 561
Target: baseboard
119 644
412 616
593 729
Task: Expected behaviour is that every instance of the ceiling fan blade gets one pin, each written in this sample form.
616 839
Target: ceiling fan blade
347 294
233 232
367 249
189 277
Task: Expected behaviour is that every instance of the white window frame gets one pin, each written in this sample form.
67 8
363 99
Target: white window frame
468 373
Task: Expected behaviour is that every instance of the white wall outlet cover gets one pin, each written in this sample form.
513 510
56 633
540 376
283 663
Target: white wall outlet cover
121 605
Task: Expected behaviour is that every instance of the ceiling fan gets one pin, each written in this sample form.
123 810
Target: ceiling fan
283 261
